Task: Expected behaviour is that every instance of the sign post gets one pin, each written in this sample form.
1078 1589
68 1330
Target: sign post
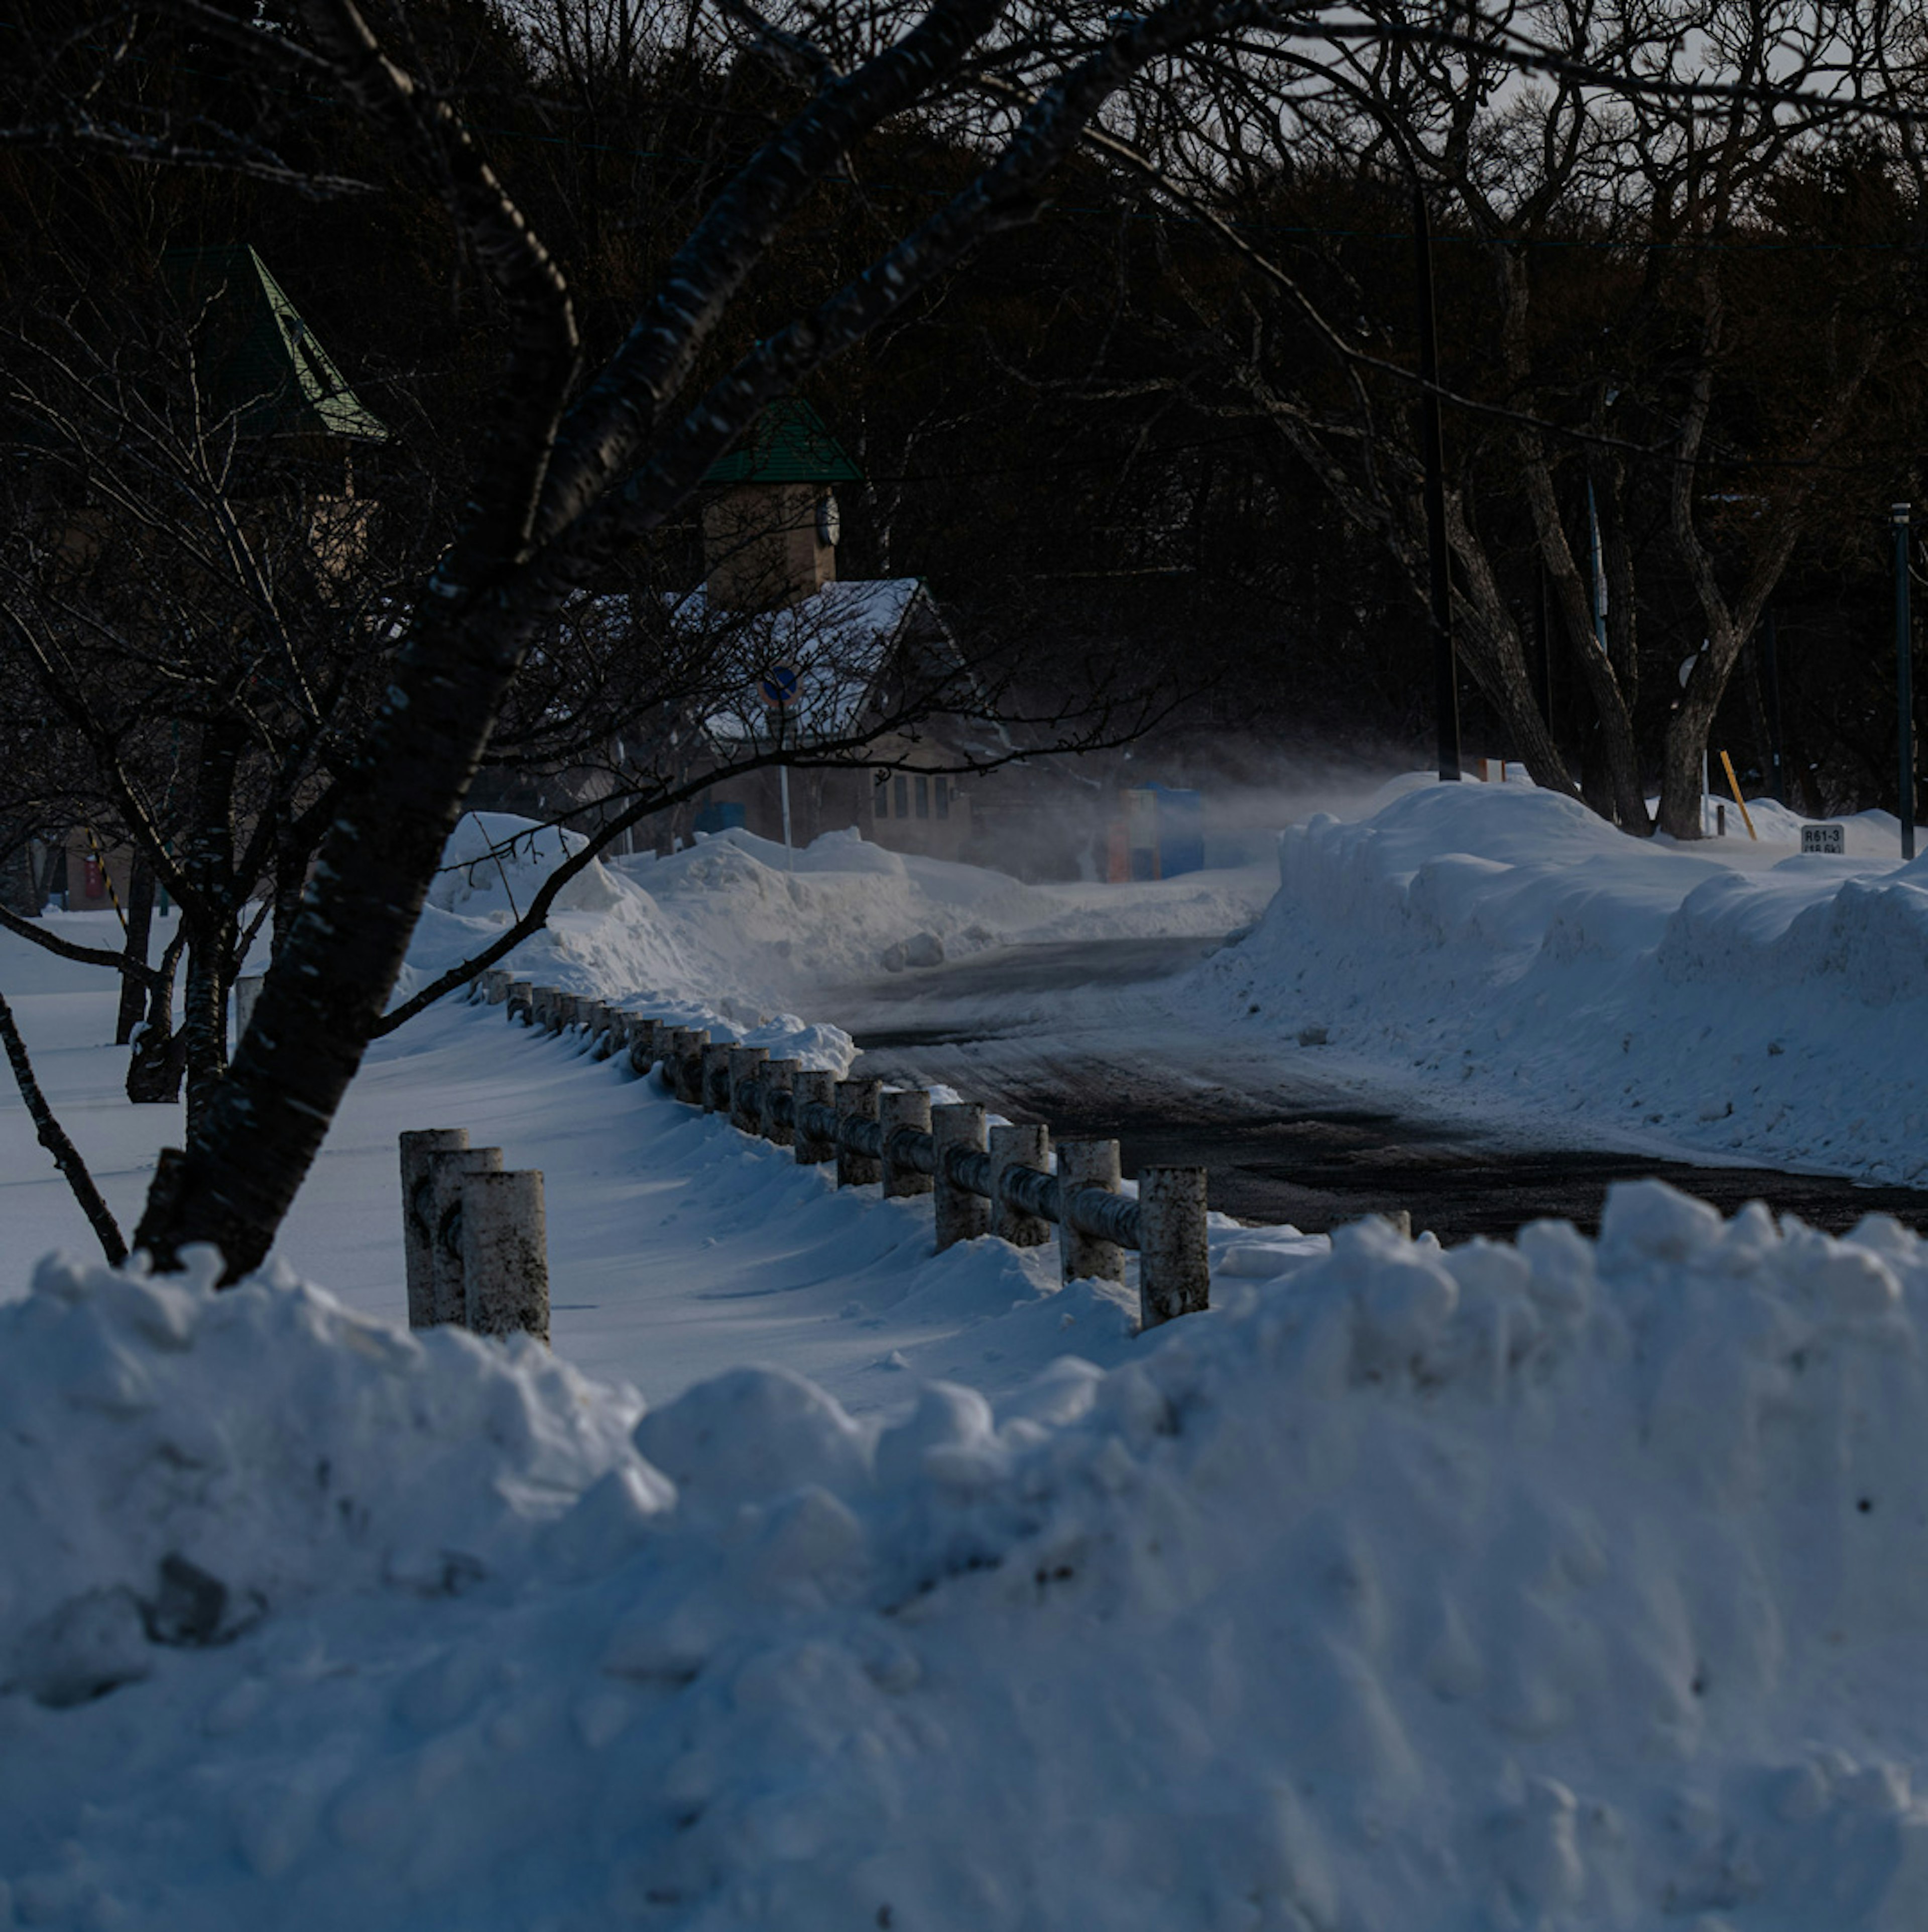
778 686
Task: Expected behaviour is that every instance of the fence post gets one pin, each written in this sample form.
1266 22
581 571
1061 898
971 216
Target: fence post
1174 1274
506 1254
813 1088
960 1215
446 1172
521 1002
645 1045
494 986
542 1007
908 1112
686 1046
418 1226
856 1100
713 1077
1018 1147
1086 1164
746 1066
779 1077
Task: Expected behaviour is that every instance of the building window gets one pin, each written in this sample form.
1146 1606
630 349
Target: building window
943 790
882 801
923 798
903 796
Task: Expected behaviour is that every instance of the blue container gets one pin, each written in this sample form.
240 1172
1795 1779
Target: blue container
726 818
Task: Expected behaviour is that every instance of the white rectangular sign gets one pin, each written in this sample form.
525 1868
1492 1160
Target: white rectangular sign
1823 838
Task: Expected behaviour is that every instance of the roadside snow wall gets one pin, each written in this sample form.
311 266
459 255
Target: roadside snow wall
1555 1584
1507 947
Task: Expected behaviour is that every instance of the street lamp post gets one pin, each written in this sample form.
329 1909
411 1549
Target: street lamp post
1445 678
1904 678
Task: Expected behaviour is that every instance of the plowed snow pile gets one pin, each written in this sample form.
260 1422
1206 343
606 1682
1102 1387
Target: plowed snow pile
1548 1584
1507 946
732 926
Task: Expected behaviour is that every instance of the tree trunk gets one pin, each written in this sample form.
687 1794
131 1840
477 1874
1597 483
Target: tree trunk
140 926
159 1059
204 1021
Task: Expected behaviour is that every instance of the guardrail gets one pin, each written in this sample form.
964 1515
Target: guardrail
985 1180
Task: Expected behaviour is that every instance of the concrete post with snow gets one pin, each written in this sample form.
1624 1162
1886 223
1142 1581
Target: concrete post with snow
505 1253
1012 1147
418 1222
684 1063
1086 1164
779 1078
815 1087
713 1077
446 1173
960 1215
1175 1270
746 1066
856 1100
904 1113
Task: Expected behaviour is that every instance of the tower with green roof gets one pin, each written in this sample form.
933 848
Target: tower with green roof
263 367
770 520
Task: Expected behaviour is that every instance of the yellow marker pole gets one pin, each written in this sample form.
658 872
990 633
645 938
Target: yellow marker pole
106 877
1727 765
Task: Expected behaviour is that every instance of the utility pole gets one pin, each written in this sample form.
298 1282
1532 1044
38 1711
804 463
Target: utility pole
1904 679
1771 676
1446 670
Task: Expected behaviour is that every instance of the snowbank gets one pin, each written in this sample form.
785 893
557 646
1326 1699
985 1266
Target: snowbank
732 931
1548 1584
1734 997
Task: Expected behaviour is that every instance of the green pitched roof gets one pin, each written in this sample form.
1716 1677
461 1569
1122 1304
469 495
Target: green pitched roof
265 366
788 444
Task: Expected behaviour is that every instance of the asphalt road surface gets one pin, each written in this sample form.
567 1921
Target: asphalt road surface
1055 1033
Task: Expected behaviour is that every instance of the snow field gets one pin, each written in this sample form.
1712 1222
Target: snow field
1739 999
1547 1584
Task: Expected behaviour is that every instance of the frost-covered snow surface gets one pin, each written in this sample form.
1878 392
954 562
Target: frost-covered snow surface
1550 1586
1506 946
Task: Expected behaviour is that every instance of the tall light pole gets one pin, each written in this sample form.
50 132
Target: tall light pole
1446 670
1904 680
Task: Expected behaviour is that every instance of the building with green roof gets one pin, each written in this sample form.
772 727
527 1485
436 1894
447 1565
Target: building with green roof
263 366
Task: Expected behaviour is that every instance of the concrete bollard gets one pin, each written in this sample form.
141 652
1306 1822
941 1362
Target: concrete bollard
506 1254
645 1044
1018 1147
713 1090
247 996
685 1060
904 1113
746 1065
779 1077
1175 1270
495 986
542 1008
418 1226
961 1215
1086 1164
815 1087
521 1002
856 1100
447 1171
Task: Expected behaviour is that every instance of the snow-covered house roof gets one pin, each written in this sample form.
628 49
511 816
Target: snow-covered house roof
841 643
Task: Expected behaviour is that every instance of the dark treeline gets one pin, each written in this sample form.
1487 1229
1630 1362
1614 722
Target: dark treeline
1134 426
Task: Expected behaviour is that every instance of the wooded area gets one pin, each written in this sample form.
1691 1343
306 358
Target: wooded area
1116 314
